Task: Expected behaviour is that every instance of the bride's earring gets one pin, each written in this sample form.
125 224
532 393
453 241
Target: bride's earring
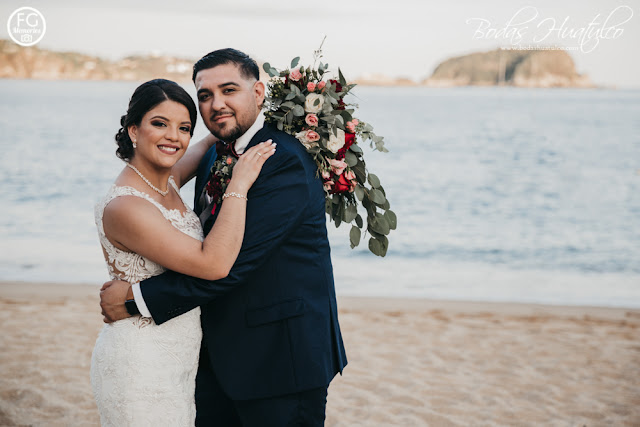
134 144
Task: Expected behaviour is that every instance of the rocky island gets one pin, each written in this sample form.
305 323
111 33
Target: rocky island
521 68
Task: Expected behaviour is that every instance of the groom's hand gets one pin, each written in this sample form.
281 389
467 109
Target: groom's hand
112 297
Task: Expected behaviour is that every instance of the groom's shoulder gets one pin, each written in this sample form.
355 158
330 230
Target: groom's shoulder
279 136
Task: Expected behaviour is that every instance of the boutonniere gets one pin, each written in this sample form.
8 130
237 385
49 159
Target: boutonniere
221 173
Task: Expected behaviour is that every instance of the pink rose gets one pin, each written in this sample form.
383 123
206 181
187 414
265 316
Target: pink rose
311 120
326 174
312 136
351 127
338 166
229 160
295 74
321 85
355 122
328 185
311 86
354 183
350 175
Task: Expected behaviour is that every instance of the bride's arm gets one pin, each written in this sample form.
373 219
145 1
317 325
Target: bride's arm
138 226
187 166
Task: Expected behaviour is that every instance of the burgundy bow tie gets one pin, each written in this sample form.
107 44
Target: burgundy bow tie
224 149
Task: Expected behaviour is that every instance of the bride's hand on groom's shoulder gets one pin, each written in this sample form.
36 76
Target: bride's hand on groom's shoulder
113 294
248 167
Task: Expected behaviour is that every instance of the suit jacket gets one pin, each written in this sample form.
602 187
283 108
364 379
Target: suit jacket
271 326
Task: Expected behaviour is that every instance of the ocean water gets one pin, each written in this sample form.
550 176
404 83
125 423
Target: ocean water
502 194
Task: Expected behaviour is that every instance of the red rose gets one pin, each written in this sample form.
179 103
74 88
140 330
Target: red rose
349 139
338 85
342 185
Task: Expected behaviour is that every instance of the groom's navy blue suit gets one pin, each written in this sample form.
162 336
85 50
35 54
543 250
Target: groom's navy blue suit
270 327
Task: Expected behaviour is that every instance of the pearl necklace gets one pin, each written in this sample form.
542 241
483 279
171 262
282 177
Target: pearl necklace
162 193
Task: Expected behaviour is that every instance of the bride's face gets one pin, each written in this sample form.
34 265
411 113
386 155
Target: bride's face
163 134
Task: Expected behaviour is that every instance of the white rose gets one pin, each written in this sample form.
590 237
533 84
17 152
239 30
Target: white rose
335 142
309 103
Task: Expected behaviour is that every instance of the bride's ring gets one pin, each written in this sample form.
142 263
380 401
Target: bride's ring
259 154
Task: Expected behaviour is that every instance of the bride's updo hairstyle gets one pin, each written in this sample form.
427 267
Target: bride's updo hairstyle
146 97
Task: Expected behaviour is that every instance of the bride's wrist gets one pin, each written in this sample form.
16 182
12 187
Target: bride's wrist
237 187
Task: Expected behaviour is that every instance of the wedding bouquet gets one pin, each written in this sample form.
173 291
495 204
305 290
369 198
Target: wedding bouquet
304 103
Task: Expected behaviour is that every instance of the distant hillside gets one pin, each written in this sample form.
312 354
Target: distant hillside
522 68
35 63
17 62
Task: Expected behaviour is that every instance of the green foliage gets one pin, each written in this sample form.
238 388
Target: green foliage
285 106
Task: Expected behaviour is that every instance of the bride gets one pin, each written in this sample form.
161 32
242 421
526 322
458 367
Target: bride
142 373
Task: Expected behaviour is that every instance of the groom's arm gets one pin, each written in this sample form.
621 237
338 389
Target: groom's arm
276 206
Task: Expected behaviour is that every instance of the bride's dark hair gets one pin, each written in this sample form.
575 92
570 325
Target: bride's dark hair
146 97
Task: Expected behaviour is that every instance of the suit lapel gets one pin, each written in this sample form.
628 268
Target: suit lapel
202 177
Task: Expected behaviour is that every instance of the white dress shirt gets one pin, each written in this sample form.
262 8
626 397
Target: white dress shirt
240 147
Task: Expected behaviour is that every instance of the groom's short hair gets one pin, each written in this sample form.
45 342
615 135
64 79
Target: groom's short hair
248 67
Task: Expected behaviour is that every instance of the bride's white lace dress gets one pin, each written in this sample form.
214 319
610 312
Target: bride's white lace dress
143 374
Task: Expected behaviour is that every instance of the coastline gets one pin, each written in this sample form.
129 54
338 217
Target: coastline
411 361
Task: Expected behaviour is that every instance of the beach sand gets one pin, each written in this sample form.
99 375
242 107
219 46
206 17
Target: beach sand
411 362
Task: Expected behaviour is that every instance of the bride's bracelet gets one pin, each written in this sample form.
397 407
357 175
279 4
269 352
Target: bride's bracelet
236 195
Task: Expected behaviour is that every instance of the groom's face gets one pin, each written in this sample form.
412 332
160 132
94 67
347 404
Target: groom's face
229 102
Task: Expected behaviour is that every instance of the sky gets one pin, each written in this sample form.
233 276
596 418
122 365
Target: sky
400 38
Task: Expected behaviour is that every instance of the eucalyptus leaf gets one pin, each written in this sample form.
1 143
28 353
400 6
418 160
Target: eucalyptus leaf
295 61
354 236
350 213
289 96
373 180
359 190
360 172
350 158
377 197
375 246
340 121
359 221
298 110
379 225
267 68
355 148
373 233
391 219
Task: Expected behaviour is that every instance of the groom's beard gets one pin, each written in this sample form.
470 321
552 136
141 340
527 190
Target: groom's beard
229 135
227 132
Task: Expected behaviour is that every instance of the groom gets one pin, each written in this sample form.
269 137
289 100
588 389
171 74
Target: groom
271 338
